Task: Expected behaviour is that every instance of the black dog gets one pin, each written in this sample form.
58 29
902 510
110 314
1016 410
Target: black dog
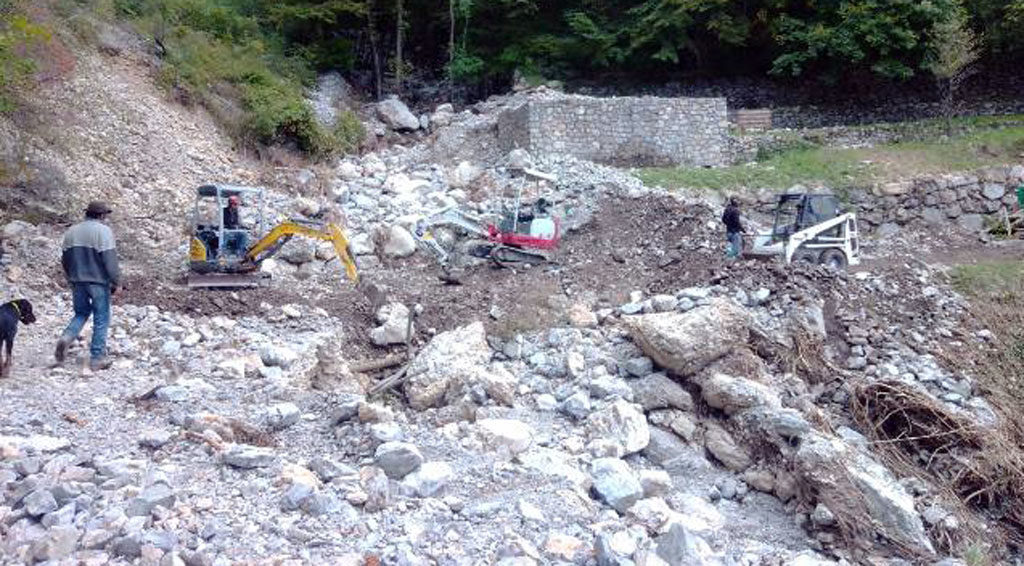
10 314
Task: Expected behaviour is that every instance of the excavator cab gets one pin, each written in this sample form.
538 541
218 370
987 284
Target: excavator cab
534 222
219 242
229 242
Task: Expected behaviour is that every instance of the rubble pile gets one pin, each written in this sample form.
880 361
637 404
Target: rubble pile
665 429
639 401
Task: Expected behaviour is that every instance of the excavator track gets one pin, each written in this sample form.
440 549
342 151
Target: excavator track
504 255
226 280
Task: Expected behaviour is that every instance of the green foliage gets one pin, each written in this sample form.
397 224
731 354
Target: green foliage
465 67
17 38
954 47
561 39
348 133
219 53
885 36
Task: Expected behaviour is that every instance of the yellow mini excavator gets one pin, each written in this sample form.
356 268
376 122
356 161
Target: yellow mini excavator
220 251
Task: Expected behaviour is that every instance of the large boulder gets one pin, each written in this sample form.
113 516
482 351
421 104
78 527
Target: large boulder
394 325
724 448
687 342
450 357
298 252
615 483
507 434
658 391
397 459
849 479
621 422
464 174
396 115
399 243
734 394
430 479
680 546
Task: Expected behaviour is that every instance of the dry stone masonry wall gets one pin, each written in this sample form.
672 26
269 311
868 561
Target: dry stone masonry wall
621 130
941 200
965 200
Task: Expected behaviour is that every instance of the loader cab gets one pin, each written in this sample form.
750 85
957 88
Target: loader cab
796 212
535 222
216 244
810 228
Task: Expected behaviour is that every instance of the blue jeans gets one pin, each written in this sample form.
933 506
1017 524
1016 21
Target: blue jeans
237 243
91 299
735 240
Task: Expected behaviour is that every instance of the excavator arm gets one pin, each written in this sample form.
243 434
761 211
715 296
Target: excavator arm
268 245
447 218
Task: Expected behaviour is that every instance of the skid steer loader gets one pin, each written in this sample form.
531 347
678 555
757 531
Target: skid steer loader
810 228
220 252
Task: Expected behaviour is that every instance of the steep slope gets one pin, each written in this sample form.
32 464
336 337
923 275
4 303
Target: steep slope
106 130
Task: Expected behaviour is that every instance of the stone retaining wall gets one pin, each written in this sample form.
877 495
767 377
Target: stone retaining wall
963 200
622 130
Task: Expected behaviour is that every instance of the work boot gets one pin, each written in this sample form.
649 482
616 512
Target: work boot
97 364
62 349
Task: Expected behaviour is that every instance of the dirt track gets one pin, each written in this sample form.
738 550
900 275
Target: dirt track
649 244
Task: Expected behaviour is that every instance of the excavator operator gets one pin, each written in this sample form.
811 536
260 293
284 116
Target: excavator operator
236 237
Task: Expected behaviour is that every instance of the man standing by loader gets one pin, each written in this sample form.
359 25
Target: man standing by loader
90 264
733 228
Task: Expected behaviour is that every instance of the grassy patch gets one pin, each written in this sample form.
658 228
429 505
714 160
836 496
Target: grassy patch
988 278
983 141
996 293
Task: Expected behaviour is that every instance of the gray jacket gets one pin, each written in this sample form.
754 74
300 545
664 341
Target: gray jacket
89 254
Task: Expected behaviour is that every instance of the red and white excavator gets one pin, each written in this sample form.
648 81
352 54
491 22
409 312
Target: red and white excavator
518 237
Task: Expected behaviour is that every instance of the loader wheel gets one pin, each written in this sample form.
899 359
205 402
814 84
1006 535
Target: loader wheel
834 259
805 257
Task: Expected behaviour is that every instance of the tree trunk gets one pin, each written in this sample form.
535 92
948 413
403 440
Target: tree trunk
451 49
948 107
398 46
375 51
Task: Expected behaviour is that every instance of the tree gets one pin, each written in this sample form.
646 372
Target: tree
399 61
887 37
955 49
17 38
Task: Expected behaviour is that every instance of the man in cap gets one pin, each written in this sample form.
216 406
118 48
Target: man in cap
90 265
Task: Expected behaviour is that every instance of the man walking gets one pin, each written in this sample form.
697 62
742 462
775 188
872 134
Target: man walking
733 228
90 264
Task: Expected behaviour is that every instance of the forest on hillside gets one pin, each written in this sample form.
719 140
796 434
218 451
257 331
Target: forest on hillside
264 52
475 41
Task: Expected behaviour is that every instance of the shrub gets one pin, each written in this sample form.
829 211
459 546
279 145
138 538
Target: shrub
349 132
218 56
17 38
